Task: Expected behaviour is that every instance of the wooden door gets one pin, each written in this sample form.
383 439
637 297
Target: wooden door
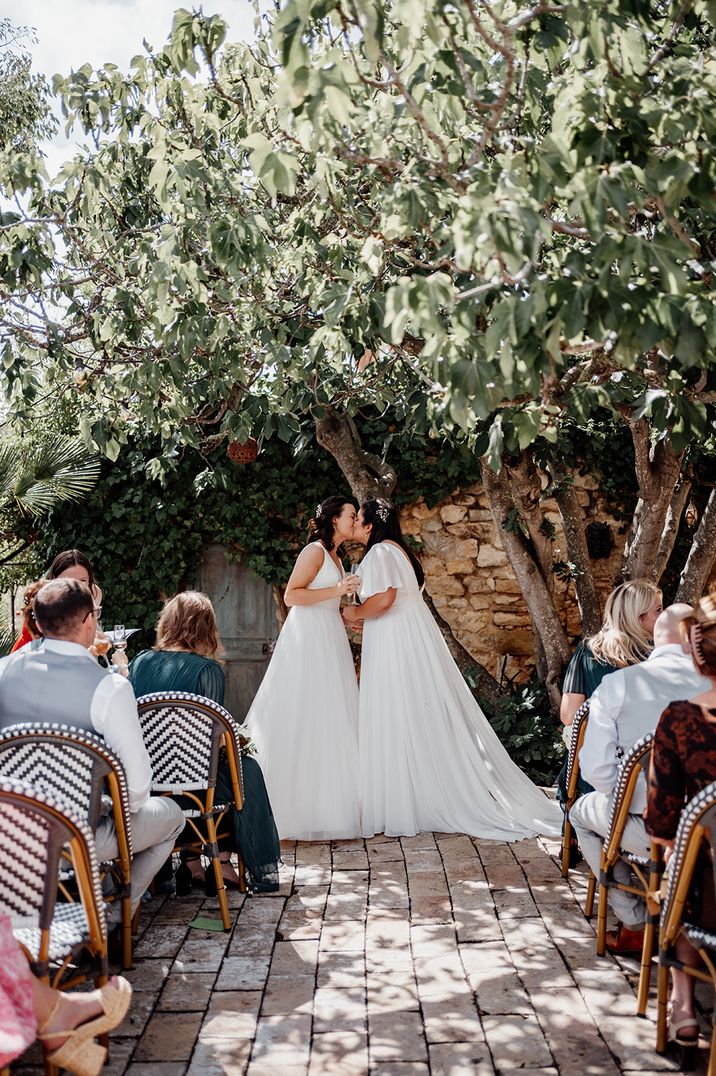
246 615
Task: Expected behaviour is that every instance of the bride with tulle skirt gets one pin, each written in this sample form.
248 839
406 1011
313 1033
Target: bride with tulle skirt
429 758
304 719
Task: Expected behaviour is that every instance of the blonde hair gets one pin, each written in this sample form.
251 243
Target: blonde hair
622 639
188 622
699 631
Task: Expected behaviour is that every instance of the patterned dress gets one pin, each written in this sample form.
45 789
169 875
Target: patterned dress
18 1027
683 762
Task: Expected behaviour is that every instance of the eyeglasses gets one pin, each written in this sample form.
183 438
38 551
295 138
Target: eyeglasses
96 612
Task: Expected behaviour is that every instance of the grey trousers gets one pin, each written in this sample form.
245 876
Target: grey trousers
590 818
155 828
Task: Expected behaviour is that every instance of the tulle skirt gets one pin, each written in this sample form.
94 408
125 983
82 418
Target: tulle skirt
304 722
429 758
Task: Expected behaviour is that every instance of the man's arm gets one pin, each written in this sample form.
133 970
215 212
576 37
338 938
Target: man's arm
114 716
598 760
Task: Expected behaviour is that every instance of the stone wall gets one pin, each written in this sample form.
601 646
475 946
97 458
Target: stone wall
469 577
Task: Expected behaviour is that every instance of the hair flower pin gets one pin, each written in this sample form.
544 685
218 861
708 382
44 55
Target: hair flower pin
317 513
382 511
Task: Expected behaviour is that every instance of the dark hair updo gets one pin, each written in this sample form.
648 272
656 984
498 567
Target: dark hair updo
69 558
384 519
699 630
321 525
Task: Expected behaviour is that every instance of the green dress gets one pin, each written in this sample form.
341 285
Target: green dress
253 828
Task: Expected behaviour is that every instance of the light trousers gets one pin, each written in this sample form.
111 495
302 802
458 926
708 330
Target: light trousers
155 829
590 818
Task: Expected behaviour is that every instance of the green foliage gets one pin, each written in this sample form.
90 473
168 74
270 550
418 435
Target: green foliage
527 729
25 118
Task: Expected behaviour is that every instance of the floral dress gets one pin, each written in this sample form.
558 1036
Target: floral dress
18 1027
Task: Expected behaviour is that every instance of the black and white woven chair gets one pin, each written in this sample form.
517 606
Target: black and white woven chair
183 734
37 832
76 767
692 858
579 728
646 870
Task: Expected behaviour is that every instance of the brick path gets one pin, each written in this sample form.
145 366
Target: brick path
432 954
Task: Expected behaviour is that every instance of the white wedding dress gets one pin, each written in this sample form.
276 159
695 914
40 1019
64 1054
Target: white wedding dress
429 758
304 721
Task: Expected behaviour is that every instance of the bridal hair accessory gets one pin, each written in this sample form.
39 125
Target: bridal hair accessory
382 511
317 513
696 638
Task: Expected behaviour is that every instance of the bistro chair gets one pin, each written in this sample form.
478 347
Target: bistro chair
579 728
692 860
76 766
37 833
184 734
646 870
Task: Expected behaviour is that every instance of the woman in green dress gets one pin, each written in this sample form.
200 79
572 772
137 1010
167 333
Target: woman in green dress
184 659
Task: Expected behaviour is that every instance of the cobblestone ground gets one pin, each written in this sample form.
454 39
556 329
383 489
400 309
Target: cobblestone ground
433 954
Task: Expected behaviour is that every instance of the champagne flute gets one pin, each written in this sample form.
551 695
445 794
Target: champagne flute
354 595
120 637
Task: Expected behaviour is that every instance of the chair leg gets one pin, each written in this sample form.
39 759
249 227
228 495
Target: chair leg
589 902
127 960
602 920
662 996
566 841
647 955
243 885
218 875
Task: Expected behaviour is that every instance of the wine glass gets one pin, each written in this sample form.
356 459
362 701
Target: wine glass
101 642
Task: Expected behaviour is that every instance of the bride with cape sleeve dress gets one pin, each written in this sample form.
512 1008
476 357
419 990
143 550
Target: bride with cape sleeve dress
429 758
304 719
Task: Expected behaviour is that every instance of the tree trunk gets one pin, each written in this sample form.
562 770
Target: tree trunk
534 589
366 473
701 556
657 469
573 522
671 526
526 490
369 476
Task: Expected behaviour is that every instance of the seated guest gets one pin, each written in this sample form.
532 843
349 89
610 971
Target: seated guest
30 630
69 564
57 679
623 640
184 659
66 1023
684 762
625 707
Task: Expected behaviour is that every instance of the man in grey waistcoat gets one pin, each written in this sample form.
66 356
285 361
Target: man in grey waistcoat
626 706
56 679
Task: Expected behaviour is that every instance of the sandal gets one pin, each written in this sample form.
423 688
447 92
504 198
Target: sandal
79 1053
676 1031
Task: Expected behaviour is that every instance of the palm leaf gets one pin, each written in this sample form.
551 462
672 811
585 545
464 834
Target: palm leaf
10 459
58 469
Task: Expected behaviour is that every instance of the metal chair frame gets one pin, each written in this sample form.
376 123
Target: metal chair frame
50 829
579 729
185 759
696 833
648 871
38 768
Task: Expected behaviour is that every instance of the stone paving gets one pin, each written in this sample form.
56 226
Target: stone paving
400 957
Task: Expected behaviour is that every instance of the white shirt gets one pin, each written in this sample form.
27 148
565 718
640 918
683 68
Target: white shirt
113 713
626 706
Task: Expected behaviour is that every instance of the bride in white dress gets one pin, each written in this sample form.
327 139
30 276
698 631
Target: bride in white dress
304 719
429 758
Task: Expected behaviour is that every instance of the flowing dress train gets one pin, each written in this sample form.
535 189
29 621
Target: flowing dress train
429 758
304 722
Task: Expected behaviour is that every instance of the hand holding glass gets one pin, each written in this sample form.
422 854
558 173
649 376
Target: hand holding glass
354 596
101 642
120 637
